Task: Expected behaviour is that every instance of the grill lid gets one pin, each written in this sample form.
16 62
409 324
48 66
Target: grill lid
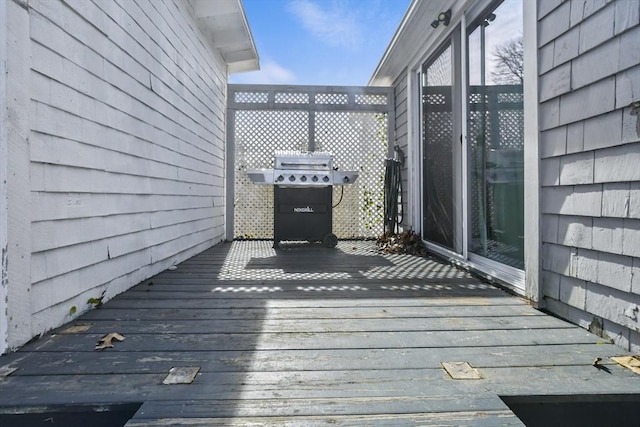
316 160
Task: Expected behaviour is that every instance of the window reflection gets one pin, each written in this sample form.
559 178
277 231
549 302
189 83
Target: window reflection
496 135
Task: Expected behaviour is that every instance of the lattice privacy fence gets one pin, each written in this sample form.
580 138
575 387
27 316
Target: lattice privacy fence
353 123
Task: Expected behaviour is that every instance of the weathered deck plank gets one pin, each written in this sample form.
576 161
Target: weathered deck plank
288 325
324 340
264 312
441 419
309 336
318 407
315 295
431 384
84 362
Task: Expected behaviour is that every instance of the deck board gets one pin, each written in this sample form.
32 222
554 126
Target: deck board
83 362
308 336
264 312
322 340
293 325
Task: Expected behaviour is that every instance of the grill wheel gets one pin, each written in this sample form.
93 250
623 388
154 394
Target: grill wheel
330 240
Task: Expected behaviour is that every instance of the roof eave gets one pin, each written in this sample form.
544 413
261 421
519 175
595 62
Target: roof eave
414 36
381 75
225 22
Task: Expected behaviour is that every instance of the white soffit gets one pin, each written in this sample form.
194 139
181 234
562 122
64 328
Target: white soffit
226 24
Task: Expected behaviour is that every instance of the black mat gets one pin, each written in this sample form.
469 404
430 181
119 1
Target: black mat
115 415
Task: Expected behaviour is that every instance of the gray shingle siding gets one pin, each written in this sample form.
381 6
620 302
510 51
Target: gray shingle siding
589 71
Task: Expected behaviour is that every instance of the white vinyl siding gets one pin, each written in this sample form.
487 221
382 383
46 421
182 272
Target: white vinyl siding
127 121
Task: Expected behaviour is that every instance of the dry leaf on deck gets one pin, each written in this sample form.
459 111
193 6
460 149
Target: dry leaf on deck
106 341
629 362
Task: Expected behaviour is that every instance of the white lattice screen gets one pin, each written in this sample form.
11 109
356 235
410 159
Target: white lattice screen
350 122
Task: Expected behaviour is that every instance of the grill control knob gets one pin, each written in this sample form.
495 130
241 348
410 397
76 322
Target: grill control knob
292 178
315 178
325 178
303 178
345 179
280 178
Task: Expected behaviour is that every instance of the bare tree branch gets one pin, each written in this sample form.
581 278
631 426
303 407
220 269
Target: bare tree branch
509 57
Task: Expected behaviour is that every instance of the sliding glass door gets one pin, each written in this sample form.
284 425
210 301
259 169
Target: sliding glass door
472 142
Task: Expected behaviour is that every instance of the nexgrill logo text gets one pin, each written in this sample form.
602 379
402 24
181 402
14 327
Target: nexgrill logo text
306 209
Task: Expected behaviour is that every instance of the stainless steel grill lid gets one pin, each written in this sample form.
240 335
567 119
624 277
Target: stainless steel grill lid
315 160
303 169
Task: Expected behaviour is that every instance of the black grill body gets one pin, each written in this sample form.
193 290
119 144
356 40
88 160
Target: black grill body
303 213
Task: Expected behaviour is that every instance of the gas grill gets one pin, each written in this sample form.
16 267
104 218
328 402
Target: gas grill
303 195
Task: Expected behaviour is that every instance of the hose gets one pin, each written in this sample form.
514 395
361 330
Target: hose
393 211
341 195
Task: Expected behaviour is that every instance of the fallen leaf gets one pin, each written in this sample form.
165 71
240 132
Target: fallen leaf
77 328
106 341
629 362
406 242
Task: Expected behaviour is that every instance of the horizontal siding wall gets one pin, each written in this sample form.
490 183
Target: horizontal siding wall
589 64
127 120
400 88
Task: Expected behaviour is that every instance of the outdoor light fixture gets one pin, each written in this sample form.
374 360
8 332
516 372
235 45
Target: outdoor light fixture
444 17
489 19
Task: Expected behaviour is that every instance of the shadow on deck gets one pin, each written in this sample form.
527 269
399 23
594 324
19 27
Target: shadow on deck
311 336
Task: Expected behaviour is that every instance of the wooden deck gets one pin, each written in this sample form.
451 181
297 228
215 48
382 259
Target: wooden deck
309 336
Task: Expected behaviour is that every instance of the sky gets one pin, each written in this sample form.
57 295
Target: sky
320 42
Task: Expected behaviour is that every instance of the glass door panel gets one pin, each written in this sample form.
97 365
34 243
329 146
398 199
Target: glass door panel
496 136
438 167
